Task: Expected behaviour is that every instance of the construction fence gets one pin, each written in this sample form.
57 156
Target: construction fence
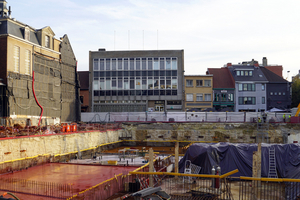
239 117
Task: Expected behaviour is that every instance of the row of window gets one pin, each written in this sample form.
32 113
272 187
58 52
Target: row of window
199 83
122 102
199 97
250 100
135 64
277 93
244 72
161 73
135 92
17 59
134 84
223 97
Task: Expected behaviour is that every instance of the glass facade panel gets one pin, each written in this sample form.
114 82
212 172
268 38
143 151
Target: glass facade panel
107 64
174 63
101 64
120 64
108 84
102 84
156 84
114 64
150 67
138 64
150 84
174 83
162 84
125 63
161 63
168 63
155 64
96 64
131 63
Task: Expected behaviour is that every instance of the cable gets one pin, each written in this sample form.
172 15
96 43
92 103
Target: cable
11 195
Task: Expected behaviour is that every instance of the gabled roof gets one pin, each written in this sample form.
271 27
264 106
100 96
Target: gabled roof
272 77
84 80
222 78
277 69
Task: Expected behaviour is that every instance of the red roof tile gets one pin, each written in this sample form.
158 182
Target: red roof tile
222 77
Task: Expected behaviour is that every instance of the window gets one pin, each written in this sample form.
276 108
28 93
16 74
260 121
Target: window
47 41
96 65
230 97
199 83
283 93
17 59
207 97
27 61
262 86
246 73
189 97
216 97
162 63
107 63
247 87
168 63
96 84
279 93
275 93
207 83
174 83
199 97
81 99
247 100
263 100
155 64
223 97
189 83
250 73
271 93
174 63
114 64
238 73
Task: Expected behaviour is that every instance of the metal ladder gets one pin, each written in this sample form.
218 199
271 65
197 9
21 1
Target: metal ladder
272 163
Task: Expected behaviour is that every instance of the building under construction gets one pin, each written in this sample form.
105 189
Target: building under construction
39 81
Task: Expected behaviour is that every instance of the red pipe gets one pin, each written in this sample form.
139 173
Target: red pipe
36 98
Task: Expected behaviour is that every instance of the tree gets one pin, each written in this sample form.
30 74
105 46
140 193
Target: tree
295 91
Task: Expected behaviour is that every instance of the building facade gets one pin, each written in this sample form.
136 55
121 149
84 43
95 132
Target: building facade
278 91
250 87
223 89
136 81
198 92
38 72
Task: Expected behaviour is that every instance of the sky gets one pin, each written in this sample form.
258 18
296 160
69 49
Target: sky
211 32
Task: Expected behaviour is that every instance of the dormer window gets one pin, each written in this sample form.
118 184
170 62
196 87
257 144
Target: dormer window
47 41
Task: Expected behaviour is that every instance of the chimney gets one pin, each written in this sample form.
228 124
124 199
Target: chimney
265 61
101 49
229 64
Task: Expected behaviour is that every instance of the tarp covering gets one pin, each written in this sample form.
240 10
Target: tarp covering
231 156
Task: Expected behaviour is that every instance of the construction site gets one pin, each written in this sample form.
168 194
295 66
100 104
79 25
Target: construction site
151 160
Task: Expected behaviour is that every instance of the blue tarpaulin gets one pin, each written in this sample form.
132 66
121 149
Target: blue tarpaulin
231 156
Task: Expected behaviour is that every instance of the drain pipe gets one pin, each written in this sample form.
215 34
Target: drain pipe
36 98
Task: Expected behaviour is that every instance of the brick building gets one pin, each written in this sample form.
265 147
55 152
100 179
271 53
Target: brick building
38 73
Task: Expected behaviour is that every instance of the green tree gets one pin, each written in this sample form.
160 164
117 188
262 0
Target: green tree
295 91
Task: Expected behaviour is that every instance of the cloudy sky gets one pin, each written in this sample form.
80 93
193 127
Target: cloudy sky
211 32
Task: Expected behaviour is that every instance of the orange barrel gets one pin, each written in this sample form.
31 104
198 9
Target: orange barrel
63 127
68 128
73 127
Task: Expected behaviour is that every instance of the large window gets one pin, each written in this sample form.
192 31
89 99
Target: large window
247 100
17 59
47 41
199 97
230 97
263 100
207 97
189 97
244 72
27 61
189 83
223 97
199 83
246 87
207 83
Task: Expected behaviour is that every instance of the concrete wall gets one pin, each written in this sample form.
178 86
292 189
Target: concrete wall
213 132
54 144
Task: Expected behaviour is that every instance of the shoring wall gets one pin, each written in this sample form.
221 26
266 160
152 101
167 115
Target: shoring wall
51 145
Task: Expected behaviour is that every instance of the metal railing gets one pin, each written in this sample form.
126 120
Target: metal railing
269 188
36 188
238 117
